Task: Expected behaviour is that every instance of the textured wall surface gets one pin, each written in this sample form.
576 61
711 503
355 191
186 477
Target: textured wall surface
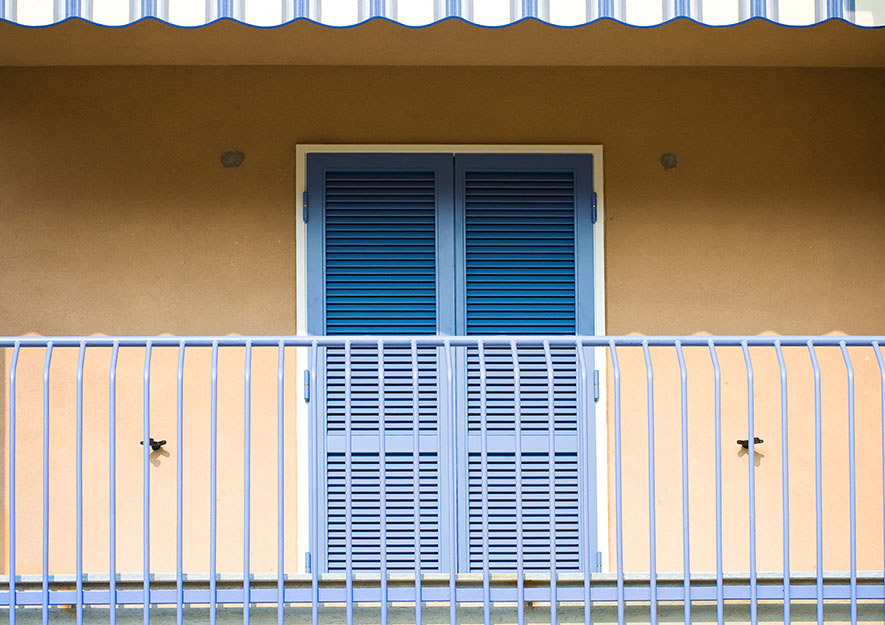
777 197
118 218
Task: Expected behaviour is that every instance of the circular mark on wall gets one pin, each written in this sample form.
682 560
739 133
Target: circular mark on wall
232 158
668 160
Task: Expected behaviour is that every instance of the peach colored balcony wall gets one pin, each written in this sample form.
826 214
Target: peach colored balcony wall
768 460
194 449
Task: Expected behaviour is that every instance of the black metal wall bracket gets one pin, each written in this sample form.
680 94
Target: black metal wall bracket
745 443
155 444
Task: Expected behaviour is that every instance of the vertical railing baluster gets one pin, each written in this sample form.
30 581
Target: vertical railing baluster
281 463
717 442
818 486
112 483
45 581
852 492
314 538
179 487
686 545
878 352
881 363
247 478
619 517
12 373
652 530
751 470
484 436
348 485
551 470
453 517
79 481
416 478
785 476
213 486
587 489
517 408
382 480
146 486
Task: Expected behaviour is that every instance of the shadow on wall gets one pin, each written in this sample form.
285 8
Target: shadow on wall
757 455
157 455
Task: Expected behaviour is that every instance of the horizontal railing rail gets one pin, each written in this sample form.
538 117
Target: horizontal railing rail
442 341
483 400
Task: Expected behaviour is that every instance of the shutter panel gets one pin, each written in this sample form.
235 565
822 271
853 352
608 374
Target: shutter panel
380 252
378 230
501 465
366 483
519 220
520 252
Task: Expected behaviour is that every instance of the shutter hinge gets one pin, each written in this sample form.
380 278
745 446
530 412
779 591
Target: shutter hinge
307 562
593 212
307 385
599 562
596 385
305 211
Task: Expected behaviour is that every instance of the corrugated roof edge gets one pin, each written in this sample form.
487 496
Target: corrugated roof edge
448 19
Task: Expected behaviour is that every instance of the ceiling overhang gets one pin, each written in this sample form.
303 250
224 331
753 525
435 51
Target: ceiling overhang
451 42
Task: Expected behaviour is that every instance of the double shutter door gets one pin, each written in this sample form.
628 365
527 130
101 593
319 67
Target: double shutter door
473 244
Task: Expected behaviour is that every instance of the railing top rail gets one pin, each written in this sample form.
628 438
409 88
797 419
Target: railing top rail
441 340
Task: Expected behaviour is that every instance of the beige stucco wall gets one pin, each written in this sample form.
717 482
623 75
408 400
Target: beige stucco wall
118 218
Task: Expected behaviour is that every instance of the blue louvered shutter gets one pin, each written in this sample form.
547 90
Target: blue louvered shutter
372 269
526 226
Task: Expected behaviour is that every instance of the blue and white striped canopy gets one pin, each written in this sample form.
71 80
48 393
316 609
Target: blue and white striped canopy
342 13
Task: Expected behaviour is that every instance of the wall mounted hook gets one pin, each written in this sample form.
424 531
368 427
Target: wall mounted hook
155 444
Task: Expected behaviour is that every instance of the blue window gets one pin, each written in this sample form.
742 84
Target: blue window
450 244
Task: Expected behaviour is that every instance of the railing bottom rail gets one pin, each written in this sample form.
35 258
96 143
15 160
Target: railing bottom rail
435 588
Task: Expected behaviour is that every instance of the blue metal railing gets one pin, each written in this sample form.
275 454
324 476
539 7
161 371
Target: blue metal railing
317 587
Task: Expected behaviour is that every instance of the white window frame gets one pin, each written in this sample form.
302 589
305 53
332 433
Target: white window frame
302 414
